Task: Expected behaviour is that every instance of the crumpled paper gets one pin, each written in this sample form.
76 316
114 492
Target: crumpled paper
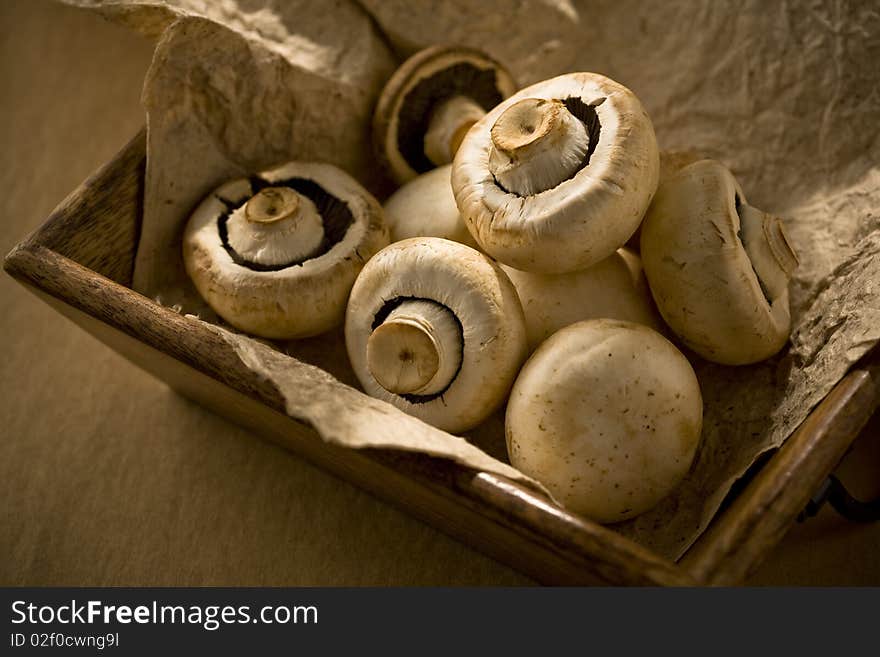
344 416
783 93
533 39
340 45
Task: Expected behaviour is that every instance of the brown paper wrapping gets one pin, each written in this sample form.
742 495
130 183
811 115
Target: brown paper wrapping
783 93
344 416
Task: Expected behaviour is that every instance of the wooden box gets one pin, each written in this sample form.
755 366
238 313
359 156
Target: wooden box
80 262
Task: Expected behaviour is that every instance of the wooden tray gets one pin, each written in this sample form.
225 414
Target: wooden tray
80 262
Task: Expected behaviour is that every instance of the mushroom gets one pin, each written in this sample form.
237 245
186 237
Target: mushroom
613 288
276 254
430 102
717 267
435 328
558 176
607 415
671 162
425 207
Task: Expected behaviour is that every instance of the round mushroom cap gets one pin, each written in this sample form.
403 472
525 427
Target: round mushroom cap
284 300
584 218
420 85
608 416
613 288
480 297
425 207
706 284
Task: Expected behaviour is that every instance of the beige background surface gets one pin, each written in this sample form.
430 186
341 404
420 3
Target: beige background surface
109 478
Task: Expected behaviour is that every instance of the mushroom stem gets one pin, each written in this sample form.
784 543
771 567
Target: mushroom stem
768 248
536 145
417 350
271 204
448 125
276 226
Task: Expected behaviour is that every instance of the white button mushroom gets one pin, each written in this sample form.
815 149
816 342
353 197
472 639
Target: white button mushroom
558 176
429 104
435 328
425 207
276 255
608 416
717 267
613 288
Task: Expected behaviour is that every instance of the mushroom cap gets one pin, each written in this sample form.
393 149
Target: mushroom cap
425 207
297 299
421 84
613 288
700 274
476 291
607 415
671 162
583 219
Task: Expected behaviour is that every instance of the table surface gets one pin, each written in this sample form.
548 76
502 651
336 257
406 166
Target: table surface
109 478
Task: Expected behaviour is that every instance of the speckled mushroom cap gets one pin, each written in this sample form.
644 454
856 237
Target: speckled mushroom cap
584 218
717 267
608 416
485 306
286 300
420 85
